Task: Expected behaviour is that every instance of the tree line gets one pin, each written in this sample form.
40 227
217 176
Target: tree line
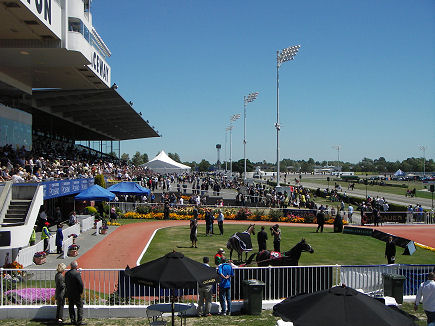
379 165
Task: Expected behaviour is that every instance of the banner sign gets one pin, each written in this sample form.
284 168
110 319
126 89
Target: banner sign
357 230
397 217
49 12
53 189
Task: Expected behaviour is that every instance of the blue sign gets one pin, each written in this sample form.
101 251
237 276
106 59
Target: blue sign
60 188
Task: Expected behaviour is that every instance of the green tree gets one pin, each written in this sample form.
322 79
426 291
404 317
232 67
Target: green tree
99 180
239 166
137 159
204 166
125 157
145 158
175 157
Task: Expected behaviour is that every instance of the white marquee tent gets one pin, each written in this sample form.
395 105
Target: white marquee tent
162 163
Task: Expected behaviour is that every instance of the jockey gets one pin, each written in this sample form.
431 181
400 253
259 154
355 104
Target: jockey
219 258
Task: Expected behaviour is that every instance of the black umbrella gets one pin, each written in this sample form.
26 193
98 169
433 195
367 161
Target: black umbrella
340 305
172 271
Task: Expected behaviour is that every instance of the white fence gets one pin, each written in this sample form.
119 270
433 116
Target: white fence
25 255
86 222
111 287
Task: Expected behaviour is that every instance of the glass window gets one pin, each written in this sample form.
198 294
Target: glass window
75 25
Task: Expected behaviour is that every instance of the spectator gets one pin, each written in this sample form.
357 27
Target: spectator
205 293
59 238
320 220
390 251
72 220
45 235
426 291
74 291
262 239
276 233
220 220
350 213
225 271
60 292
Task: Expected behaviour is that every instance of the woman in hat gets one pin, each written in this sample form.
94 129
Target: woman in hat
60 292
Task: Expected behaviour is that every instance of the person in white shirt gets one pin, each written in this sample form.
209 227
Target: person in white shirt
16 178
426 291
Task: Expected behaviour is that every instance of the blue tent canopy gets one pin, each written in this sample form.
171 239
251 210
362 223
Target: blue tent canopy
96 193
129 188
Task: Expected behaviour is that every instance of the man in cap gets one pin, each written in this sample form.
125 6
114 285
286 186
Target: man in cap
45 235
219 258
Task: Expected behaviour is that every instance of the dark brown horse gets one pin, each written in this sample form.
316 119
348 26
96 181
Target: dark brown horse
241 242
288 258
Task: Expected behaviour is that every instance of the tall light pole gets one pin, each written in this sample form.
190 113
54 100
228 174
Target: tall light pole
226 161
281 56
337 147
246 99
233 118
423 148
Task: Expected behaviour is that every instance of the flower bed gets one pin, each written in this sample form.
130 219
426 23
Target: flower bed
305 216
30 295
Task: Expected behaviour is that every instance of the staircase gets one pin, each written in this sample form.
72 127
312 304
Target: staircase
16 213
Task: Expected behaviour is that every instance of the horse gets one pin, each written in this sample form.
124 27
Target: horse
288 258
241 242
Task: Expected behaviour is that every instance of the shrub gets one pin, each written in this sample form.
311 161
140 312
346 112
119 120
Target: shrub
257 214
99 180
275 214
91 210
243 214
143 209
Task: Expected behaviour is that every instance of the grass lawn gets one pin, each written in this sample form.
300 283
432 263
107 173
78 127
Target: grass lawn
329 248
387 189
265 319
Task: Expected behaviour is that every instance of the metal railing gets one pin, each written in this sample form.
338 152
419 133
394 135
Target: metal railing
110 287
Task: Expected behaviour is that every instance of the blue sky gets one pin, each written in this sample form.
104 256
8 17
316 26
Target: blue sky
363 78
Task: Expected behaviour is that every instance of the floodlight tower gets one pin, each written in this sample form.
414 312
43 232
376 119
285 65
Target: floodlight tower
423 149
233 118
337 147
281 57
246 99
218 163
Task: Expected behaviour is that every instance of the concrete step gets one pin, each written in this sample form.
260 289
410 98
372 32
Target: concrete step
14 219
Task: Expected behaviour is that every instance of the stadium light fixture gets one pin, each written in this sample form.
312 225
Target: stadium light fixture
423 149
282 56
246 99
233 118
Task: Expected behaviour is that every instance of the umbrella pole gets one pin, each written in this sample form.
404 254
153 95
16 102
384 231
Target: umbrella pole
172 306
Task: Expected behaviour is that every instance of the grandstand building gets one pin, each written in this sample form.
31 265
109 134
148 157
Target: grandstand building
55 87
55 80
